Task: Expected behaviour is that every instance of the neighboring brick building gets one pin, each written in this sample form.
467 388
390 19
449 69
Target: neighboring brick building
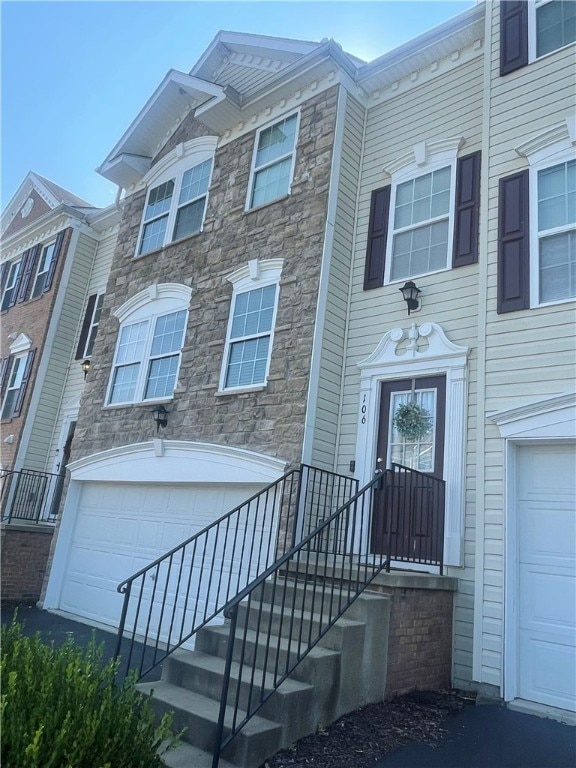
50 243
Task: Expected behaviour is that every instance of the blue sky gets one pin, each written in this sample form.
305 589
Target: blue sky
75 74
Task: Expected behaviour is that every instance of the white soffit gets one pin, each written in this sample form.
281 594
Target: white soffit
176 95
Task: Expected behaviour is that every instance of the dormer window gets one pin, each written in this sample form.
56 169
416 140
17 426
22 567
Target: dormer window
177 195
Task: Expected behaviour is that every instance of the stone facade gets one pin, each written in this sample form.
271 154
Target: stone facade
270 419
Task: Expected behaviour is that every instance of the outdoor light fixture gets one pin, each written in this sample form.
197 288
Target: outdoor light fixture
86 365
410 295
160 416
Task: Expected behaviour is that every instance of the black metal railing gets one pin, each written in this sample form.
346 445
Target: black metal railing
170 599
28 496
276 620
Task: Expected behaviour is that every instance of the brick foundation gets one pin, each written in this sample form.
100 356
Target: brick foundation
25 551
420 637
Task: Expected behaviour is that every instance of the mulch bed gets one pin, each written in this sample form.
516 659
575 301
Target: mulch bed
360 739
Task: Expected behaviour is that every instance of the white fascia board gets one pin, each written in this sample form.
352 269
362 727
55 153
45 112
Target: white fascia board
25 238
424 46
154 111
125 169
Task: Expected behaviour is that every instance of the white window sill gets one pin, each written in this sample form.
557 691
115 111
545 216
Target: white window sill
165 247
139 404
265 205
240 390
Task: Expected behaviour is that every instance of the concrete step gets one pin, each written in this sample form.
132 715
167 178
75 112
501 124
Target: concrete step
257 740
288 705
273 653
188 756
279 619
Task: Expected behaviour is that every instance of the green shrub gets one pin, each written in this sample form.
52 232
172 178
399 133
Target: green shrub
61 708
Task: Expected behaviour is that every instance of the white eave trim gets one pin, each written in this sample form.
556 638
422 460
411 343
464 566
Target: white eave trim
134 143
553 416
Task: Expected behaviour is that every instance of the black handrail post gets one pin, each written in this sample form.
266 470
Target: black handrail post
120 634
297 505
218 738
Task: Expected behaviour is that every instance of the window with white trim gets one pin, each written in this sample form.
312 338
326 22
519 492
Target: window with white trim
273 162
177 194
93 326
42 269
556 231
148 351
554 25
11 284
251 325
14 384
421 224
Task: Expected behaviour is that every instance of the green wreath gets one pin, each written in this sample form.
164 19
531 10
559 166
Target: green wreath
412 421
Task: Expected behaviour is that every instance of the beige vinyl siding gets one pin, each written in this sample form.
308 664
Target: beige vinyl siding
530 354
448 107
332 355
60 352
74 383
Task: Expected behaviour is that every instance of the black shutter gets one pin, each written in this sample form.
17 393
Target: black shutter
54 262
17 284
377 236
25 379
86 326
467 210
4 370
513 35
4 270
513 244
28 264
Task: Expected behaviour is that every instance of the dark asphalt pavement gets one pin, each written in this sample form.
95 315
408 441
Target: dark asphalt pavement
490 736
477 737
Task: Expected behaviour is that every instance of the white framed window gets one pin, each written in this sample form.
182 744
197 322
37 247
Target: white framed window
250 333
273 161
12 282
14 384
552 24
94 321
177 195
42 269
421 227
553 237
148 350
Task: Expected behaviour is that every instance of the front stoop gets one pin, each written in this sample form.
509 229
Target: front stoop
348 669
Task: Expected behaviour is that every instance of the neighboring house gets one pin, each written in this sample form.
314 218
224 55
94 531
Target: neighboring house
276 200
51 242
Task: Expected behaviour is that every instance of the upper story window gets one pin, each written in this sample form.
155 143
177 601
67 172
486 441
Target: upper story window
556 231
554 25
421 229
177 194
273 162
251 324
9 294
537 223
14 376
43 268
90 326
148 351
532 29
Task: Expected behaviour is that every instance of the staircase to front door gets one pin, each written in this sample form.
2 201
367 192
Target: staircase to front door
283 638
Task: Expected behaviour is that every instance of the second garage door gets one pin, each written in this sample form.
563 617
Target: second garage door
120 528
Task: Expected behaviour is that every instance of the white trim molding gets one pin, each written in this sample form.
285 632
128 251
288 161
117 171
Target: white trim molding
155 292
421 351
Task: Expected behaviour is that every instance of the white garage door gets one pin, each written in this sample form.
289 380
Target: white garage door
120 528
547 575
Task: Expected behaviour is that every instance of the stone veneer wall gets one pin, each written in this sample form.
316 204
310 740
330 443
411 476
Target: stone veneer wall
24 558
270 420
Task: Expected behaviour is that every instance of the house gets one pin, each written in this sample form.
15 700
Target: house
51 241
277 200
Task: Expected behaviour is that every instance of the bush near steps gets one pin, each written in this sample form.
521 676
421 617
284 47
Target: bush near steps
62 708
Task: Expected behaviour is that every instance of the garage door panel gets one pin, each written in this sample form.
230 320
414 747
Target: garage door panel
122 528
546 524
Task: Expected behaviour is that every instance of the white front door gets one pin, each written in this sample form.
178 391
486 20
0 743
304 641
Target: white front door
546 524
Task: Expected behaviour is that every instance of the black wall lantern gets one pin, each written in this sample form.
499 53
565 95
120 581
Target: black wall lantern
86 365
410 295
160 416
